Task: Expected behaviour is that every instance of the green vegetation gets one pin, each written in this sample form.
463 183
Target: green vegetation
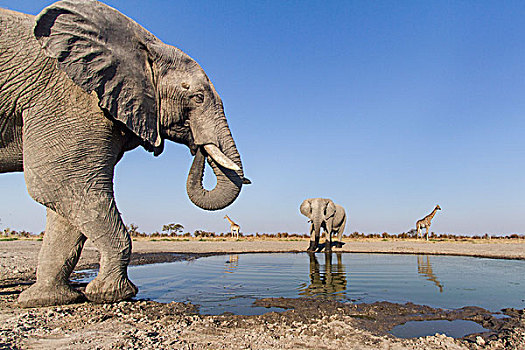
11 235
9 239
174 231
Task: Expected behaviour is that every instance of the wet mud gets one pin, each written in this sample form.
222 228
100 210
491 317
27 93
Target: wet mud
379 318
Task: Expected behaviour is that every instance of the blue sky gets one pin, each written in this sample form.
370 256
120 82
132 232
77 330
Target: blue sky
387 107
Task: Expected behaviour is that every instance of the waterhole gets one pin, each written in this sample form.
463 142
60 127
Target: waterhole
454 329
231 283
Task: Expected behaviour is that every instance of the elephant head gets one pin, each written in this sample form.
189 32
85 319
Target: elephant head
154 90
321 212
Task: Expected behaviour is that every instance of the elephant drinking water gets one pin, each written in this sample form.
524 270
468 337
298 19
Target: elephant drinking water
324 213
80 84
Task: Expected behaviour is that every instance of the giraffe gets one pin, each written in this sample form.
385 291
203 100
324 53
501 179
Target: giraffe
234 228
426 221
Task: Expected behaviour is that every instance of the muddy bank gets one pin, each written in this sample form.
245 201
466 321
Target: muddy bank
306 324
379 318
303 323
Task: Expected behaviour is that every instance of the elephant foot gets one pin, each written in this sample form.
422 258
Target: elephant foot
312 248
46 295
105 290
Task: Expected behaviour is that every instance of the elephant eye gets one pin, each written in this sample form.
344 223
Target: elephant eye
198 98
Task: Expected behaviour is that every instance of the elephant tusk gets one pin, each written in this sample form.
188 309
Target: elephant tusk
215 153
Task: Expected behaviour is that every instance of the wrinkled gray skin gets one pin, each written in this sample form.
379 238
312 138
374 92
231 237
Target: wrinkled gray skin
80 84
324 214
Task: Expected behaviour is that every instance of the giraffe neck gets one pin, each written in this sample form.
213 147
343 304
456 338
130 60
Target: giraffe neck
431 215
230 220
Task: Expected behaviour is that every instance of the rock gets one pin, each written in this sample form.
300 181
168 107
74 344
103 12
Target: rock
480 341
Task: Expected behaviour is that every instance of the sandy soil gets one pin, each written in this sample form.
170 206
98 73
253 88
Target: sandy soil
307 324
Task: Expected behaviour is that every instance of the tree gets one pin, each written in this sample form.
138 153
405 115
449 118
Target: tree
172 229
133 230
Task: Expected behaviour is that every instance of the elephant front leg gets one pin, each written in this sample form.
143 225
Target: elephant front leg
329 228
328 243
314 240
100 221
58 256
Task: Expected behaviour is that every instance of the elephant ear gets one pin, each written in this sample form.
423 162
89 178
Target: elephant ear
329 209
104 51
306 208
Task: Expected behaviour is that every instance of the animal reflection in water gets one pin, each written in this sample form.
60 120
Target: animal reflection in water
425 268
328 281
232 263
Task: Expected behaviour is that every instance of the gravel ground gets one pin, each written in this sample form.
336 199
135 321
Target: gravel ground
306 324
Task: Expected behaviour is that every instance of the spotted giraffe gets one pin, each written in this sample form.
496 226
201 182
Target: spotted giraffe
426 221
234 228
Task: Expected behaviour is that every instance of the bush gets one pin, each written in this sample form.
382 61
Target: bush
204 234
172 229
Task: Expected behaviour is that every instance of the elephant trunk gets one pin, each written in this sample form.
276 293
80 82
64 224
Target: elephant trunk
316 234
229 181
317 222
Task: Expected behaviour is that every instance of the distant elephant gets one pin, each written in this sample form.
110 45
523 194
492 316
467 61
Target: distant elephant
324 213
80 84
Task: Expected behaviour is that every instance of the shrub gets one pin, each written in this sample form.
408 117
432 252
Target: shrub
172 229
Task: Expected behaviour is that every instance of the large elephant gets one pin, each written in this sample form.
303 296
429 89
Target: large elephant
324 213
80 84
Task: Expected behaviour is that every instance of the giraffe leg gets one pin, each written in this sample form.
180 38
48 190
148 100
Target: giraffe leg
428 229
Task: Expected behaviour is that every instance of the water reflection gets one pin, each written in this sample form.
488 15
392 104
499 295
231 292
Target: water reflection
425 268
232 263
328 281
367 278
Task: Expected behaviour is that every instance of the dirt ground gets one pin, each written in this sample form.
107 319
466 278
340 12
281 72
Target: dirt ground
306 323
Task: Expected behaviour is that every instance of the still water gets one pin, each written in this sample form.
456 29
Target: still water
454 329
231 283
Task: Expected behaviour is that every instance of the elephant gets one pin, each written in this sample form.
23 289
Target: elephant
81 84
324 213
